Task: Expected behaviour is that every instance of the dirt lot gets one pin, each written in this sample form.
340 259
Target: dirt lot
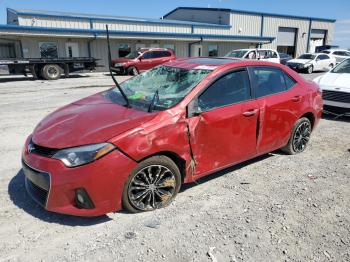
274 208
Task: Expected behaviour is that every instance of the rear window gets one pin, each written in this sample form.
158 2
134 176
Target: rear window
268 81
290 82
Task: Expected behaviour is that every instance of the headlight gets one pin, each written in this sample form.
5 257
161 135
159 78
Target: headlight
119 65
77 156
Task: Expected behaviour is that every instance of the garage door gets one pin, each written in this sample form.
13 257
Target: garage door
286 36
317 38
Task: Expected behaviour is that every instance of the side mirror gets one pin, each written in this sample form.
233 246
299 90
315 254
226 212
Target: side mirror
192 109
140 58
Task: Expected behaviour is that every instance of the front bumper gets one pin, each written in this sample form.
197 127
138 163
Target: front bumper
296 67
118 70
51 184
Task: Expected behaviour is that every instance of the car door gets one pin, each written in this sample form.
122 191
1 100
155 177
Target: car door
318 63
147 61
163 57
279 106
223 132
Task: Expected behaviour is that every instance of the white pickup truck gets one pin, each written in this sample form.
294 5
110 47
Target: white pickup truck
256 54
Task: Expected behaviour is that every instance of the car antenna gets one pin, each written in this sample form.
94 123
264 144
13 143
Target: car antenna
110 70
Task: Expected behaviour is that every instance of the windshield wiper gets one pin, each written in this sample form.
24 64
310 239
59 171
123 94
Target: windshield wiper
110 71
152 104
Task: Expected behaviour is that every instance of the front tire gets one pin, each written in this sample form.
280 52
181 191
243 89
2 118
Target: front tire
310 69
133 71
153 184
299 138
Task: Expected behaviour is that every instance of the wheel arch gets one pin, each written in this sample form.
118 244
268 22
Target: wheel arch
179 161
311 117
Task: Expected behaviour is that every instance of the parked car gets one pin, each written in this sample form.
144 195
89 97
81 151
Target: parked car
284 58
335 86
312 62
179 122
144 59
339 54
255 54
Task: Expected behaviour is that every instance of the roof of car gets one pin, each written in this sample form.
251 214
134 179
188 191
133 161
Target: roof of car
336 49
210 63
153 49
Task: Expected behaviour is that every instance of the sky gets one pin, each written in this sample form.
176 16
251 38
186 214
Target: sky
335 9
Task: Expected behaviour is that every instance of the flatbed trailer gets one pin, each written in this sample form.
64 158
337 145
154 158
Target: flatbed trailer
48 68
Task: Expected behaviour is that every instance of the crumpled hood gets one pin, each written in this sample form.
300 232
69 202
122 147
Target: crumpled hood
334 81
299 61
94 119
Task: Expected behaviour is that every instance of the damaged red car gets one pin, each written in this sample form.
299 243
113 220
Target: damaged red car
170 125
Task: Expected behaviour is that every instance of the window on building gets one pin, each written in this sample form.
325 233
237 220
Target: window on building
213 50
7 50
268 81
230 89
48 50
124 50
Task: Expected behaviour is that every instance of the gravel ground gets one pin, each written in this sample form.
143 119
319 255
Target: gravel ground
273 208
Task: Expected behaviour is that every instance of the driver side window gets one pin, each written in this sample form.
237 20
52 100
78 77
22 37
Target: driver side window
229 89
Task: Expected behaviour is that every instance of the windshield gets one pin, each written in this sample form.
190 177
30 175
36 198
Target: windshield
169 85
342 68
307 56
236 53
133 55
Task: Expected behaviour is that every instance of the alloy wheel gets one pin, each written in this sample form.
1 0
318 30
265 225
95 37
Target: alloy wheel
301 137
152 187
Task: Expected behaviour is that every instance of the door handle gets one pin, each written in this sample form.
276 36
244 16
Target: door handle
250 112
296 99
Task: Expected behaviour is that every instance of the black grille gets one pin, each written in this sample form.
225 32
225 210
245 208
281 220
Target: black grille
37 184
336 96
37 193
40 150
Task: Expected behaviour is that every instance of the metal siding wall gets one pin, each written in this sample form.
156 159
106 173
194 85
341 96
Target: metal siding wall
325 26
53 22
140 27
271 25
32 45
250 24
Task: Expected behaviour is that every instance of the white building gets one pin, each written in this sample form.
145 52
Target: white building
189 31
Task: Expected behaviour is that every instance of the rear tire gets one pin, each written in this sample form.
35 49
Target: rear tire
153 184
51 72
299 138
133 71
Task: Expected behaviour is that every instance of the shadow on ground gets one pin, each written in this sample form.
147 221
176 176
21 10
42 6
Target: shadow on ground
20 198
4 79
229 170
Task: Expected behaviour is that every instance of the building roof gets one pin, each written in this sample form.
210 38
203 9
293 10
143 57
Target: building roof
102 33
251 13
43 13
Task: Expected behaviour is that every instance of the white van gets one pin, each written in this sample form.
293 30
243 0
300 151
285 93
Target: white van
256 54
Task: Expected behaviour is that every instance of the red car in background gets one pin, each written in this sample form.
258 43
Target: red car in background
180 121
142 60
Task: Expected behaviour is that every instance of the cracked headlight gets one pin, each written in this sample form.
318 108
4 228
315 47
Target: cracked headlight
77 156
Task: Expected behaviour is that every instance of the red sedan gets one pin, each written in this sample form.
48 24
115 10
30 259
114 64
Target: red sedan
142 60
174 124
